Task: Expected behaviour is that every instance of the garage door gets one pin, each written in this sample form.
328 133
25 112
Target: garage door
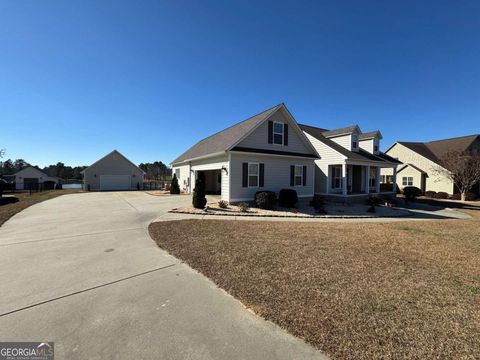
115 182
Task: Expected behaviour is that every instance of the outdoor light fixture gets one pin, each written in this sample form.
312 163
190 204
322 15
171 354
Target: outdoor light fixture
225 169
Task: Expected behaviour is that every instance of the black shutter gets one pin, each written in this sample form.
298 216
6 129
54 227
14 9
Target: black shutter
292 175
270 132
245 175
261 175
285 134
304 175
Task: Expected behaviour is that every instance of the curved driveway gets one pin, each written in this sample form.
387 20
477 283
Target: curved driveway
82 271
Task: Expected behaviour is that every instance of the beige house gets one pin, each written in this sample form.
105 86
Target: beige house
113 172
421 159
34 179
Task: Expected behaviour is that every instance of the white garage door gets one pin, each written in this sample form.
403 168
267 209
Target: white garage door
115 182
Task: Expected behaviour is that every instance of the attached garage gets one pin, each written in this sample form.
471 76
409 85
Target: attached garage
113 172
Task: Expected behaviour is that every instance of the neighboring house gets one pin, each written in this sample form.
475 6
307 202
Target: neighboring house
113 172
32 178
350 162
420 159
267 151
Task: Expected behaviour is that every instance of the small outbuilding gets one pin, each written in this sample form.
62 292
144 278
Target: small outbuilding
113 172
31 178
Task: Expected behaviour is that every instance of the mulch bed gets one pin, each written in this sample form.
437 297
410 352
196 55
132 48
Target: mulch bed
403 290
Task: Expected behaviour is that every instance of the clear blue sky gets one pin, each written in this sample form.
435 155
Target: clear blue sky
150 78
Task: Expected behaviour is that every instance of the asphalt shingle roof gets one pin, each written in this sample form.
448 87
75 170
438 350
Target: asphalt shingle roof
223 140
435 150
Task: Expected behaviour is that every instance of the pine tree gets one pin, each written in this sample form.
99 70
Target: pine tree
199 200
174 188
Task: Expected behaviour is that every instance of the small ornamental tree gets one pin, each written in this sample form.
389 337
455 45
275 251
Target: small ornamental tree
462 168
174 188
199 200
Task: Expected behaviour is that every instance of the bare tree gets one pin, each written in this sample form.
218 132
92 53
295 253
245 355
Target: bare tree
462 168
2 153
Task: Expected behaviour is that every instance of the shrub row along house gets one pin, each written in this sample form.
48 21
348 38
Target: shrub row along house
422 163
271 151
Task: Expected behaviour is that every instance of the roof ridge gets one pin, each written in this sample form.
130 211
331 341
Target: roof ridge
238 123
452 138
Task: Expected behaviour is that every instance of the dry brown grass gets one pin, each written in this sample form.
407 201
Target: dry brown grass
405 290
25 200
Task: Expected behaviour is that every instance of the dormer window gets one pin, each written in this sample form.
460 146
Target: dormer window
354 141
278 133
375 145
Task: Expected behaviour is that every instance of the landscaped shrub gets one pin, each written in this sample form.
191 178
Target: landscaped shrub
375 201
287 198
441 195
265 199
317 202
222 204
199 200
174 188
411 192
469 197
8 200
430 194
243 206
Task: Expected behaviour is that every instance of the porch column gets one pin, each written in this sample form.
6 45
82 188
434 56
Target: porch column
367 180
344 179
394 180
329 179
377 180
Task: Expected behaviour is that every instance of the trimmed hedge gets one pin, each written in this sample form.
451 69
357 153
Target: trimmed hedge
430 194
265 199
287 198
441 195
411 192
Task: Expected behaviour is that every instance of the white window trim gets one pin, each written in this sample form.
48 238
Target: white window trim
407 181
283 133
356 141
295 176
335 177
257 175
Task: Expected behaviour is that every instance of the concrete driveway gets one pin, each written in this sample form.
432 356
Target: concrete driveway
81 270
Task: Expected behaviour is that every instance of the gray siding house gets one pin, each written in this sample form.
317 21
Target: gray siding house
267 151
113 172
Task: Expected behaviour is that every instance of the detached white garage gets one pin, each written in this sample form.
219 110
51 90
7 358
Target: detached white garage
113 172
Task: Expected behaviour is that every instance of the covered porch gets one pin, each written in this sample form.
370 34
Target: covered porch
357 179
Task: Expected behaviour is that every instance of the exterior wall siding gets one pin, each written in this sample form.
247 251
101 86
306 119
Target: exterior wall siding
434 182
113 164
187 171
258 139
31 173
345 141
277 175
367 145
328 157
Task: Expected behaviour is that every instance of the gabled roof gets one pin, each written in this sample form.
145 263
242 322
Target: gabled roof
317 133
342 131
226 139
40 172
435 150
370 135
110 153
412 166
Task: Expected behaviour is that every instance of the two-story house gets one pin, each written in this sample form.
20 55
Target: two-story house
265 152
350 162
270 151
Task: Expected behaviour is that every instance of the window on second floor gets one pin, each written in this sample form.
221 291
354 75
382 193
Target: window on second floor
278 133
375 145
354 141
